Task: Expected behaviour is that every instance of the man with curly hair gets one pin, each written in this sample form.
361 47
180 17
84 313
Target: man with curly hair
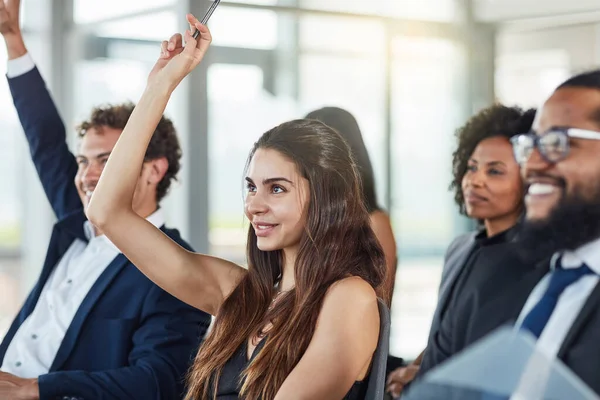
93 327
488 188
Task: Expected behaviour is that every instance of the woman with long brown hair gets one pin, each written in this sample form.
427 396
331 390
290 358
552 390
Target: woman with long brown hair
302 321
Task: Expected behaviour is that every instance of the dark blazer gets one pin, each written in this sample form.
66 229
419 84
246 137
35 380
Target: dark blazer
498 269
580 351
129 339
456 256
486 309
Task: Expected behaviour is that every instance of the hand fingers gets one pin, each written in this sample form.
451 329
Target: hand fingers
163 49
175 41
403 375
191 21
190 43
12 6
395 374
204 36
411 372
204 32
3 14
395 390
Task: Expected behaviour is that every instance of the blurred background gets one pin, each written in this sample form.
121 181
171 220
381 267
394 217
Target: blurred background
411 71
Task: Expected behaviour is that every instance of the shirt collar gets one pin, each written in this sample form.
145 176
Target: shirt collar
589 254
157 218
505 236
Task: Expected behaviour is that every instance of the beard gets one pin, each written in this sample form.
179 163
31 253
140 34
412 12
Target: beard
573 222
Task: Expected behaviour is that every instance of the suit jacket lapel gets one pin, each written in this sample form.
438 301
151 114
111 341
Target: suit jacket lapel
454 265
65 232
503 308
590 306
95 293
86 307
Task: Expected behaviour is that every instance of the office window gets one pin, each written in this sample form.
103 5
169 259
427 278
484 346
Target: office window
429 10
244 28
87 11
528 78
426 110
258 2
157 27
339 35
350 74
240 111
356 85
12 153
115 69
10 204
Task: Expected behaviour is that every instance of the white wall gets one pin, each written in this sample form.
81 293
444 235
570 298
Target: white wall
503 10
529 65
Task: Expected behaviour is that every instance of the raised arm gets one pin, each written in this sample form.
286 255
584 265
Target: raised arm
199 280
42 124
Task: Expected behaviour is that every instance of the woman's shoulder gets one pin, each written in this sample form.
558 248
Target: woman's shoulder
350 317
352 292
379 215
459 242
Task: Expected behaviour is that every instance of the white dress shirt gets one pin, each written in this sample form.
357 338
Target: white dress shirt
19 66
570 302
36 342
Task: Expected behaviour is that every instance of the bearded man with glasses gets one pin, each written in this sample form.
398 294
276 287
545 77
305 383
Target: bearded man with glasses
559 301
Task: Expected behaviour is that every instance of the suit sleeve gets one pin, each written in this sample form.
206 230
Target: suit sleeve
451 336
440 347
163 348
45 133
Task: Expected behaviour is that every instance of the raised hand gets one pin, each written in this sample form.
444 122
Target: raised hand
178 59
9 17
10 29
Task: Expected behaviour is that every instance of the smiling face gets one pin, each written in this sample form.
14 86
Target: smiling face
578 174
492 186
276 201
94 149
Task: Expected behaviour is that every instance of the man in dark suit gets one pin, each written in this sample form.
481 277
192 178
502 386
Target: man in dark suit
93 326
559 301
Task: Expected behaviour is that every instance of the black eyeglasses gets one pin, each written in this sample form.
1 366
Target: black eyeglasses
553 145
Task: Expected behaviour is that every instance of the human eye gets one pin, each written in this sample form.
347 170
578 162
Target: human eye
250 187
278 189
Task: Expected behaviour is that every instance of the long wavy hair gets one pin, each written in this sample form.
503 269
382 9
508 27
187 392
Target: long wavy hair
338 242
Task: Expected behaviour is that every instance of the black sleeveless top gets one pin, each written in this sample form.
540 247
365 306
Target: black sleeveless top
229 383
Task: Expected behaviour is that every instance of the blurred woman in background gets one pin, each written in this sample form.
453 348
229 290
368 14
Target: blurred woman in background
345 123
488 188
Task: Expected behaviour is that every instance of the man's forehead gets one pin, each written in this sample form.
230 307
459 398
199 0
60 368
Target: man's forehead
89 148
570 107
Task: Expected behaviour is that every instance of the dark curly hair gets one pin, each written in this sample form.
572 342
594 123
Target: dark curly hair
164 142
497 120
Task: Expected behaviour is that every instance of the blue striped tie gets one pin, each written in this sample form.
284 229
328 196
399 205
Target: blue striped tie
538 317
560 279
